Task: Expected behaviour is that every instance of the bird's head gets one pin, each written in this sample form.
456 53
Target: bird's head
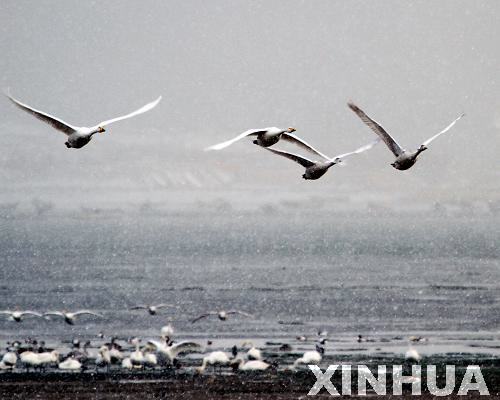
100 129
291 129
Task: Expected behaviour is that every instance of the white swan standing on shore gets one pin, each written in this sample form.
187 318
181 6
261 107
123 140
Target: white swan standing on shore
404 159
222 315
137 356
253 353
70 317
253 365
19 315
150 359
127 363
39 360
79 136
9 360
215 358
310 357
70 364
316 169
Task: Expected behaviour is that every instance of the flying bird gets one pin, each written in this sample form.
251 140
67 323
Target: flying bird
19 315
152 309
79 136
267 137
222 315
69 317
404 159
316 169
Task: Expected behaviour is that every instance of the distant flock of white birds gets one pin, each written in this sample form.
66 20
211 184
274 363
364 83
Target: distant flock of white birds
78 137
156 353
68 317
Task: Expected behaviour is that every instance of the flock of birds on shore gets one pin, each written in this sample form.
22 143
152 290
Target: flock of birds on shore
78 137
155 354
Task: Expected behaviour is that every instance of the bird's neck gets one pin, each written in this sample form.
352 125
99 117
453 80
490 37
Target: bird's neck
419 150
331 163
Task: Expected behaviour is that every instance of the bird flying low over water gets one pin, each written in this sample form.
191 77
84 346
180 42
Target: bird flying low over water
79 136
222 315
266 137
404 159
316 169
69 317
19 315
152 309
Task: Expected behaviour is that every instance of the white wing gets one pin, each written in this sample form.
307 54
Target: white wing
443 131
31 313
54 313
357 151
141 307
81 312
184 347
250 132
396 149
141 110
299 142
57 123
6 312
158 345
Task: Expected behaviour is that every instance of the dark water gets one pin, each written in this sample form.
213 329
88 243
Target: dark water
387 275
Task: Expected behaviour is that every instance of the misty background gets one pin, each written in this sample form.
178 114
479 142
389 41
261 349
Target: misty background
223 67
142 214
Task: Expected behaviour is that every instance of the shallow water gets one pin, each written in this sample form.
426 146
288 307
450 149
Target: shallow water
387 276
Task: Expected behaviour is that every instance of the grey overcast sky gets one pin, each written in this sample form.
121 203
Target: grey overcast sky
226 66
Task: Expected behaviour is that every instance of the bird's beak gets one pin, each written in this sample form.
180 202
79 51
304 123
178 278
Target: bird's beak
101 129
290 130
